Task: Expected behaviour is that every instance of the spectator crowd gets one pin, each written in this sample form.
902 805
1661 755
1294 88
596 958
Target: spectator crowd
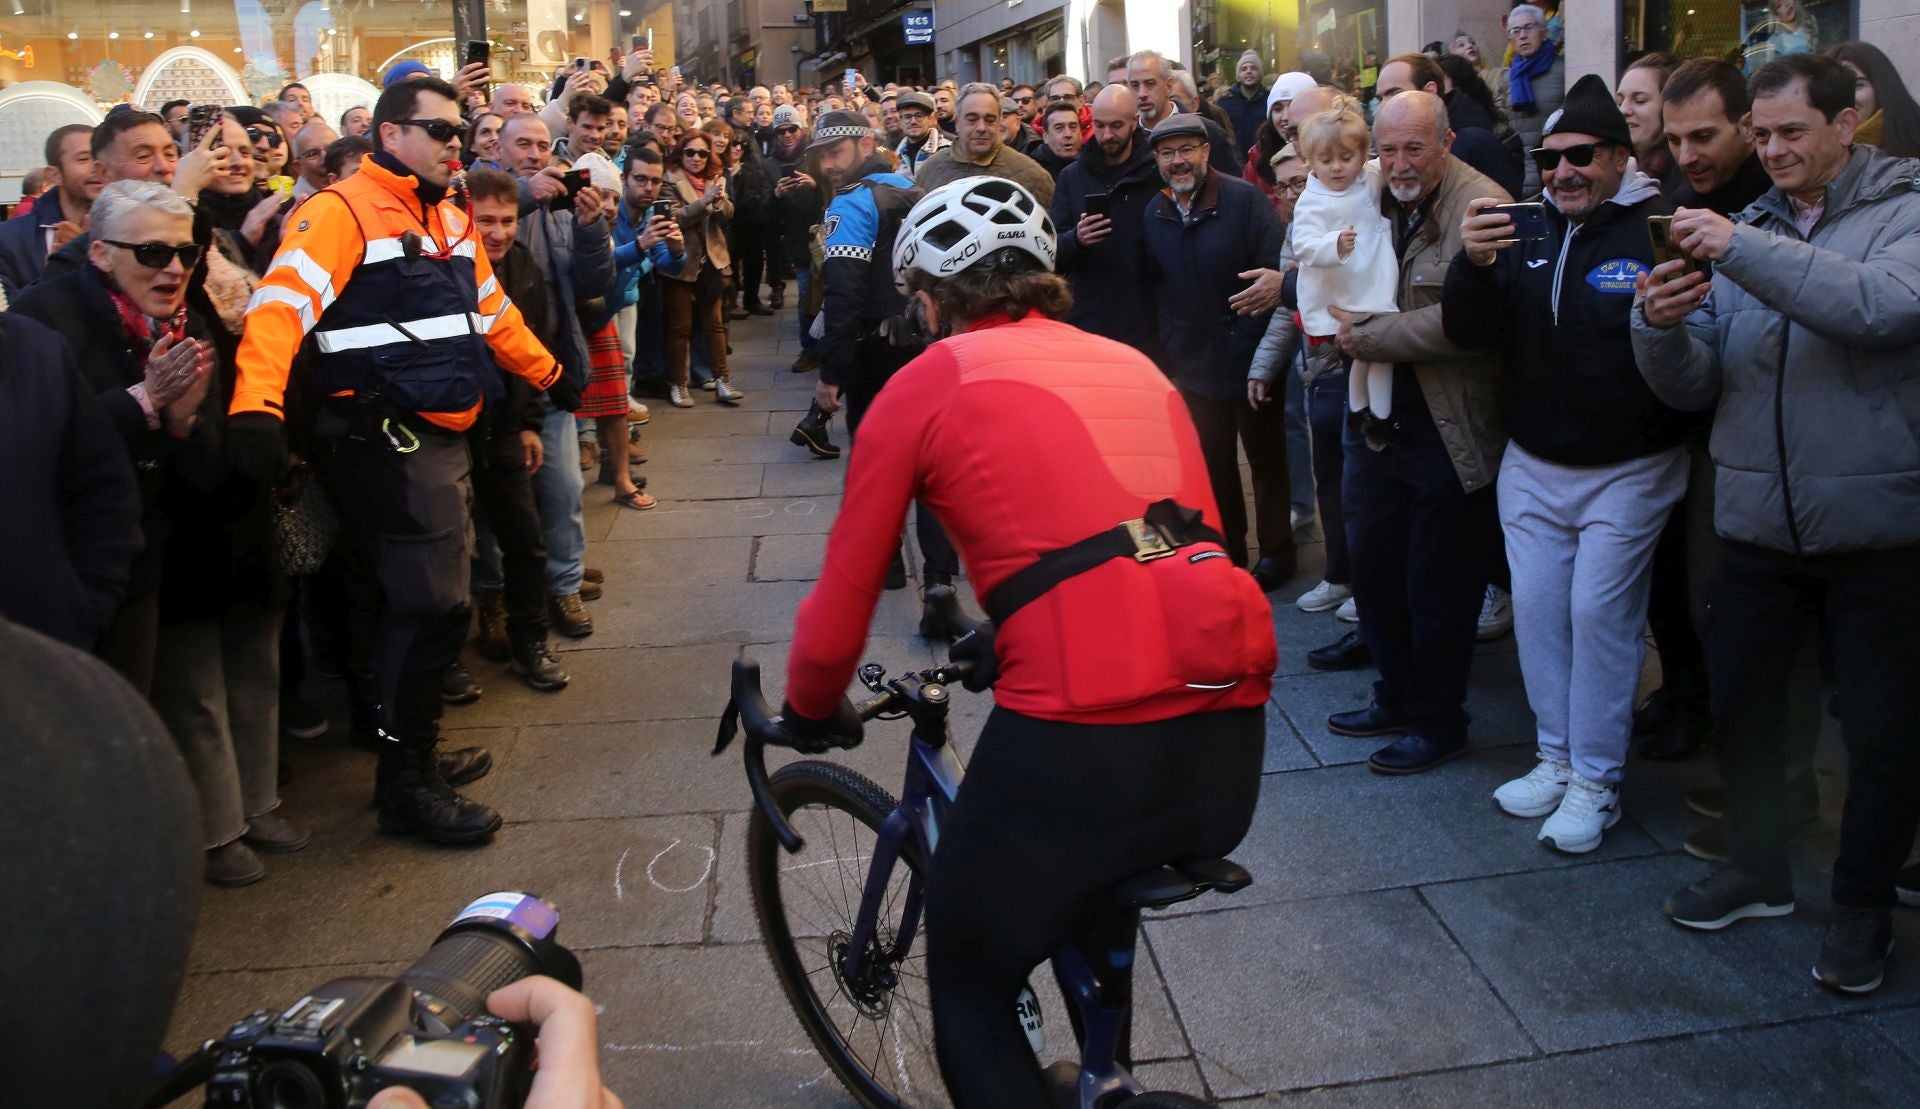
291 399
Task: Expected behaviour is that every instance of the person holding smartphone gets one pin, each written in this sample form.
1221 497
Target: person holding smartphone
1596 461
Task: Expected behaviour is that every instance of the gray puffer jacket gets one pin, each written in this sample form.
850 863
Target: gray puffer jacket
1808 352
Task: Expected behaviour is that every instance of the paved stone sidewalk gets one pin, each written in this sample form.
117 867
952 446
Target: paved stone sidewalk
1404 943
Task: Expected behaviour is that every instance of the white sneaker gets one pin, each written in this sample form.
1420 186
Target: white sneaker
709 384
1585 813
725 393
1539 792
1496 614
1348 612
678 396
1322 597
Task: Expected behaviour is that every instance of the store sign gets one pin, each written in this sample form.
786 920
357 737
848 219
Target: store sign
829 6
918 27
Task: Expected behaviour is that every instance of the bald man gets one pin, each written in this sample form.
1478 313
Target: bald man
1102 254
511 100
310 157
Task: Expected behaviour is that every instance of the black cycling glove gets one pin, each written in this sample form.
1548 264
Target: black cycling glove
813 737
257 446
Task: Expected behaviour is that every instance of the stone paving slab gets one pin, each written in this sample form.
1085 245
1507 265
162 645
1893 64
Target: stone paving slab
1285 749
707 483
1902 1029
1494 700
815 478
1585 957
581 771
329 787
1369 831
1832 1062
789 557
671 451
363 895
758 516
1334 990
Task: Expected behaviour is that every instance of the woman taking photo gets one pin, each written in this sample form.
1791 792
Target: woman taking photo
1640 101
696 187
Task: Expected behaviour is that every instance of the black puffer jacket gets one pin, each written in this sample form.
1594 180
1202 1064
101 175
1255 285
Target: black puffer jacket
1558 308
1110 296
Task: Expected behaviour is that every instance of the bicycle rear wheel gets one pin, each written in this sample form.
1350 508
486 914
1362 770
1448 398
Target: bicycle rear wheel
874 1033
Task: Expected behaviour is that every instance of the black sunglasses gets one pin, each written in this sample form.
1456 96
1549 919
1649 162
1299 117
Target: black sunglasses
1581 156
255 134
155 256
693 152
439 130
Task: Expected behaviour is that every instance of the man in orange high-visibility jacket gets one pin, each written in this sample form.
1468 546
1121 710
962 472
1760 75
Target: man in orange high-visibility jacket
379 279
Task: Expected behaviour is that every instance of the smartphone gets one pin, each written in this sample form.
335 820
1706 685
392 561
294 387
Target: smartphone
1097 204
1529 220
649 38
574 181
581 63
849 81
662 209
1660 230
478 52
201 118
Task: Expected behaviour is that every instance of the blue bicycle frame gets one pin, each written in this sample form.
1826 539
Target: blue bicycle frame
1102 997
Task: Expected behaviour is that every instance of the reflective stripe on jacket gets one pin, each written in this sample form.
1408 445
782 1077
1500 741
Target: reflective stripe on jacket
424 331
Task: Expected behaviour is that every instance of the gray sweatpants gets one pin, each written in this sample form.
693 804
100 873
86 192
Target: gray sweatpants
1580 540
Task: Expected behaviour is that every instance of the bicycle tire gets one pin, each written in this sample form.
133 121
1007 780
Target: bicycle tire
836 789
1166 1099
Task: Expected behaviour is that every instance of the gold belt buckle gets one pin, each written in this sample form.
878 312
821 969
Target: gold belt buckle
1149 542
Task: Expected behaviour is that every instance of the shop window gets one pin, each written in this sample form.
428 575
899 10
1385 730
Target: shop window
1748 34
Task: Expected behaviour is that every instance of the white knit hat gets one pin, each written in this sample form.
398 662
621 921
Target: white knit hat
1286 87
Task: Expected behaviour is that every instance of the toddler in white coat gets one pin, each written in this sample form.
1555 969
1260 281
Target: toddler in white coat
1343 243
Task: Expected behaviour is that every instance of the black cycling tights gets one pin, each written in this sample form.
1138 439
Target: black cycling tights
1050 815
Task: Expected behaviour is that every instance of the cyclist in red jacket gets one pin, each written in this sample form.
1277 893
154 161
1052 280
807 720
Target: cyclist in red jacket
1135 659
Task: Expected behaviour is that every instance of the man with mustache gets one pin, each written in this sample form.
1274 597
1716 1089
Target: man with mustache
1102 253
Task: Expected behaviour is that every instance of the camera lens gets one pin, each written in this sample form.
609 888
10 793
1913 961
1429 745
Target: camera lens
288 1085
497 940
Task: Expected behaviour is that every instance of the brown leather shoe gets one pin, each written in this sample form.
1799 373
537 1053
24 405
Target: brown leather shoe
570 616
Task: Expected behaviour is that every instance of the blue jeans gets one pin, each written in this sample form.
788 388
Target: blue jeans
556 490
1299 459
802 277
1418 545
1326 400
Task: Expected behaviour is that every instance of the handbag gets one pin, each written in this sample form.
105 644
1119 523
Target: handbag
305 524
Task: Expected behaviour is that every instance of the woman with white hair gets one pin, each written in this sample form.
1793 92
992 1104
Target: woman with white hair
200 630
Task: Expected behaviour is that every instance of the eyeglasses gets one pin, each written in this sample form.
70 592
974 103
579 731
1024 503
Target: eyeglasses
155 256
255 134
1181 152
1290 188
439 130
1023 100
693 152
1581 156
1519 29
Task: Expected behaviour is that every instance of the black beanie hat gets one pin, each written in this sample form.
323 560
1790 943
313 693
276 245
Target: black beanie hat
1589 110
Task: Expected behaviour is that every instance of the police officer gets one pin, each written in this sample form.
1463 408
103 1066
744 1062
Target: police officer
869 200
382 280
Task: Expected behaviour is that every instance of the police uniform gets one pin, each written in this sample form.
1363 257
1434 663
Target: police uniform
380 280
861 223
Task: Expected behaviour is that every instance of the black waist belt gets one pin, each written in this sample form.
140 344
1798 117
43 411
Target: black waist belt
1167 526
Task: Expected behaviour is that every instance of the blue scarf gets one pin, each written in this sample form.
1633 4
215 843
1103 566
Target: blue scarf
1521 73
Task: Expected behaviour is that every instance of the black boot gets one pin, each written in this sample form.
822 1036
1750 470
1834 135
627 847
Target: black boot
415 799
811 433
777 297
534 662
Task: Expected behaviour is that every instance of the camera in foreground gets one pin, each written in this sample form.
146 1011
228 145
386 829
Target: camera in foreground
428 1030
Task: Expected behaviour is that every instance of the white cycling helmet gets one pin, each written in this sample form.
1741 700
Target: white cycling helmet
963 223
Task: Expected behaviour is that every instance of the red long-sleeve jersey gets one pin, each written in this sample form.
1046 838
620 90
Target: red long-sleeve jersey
1024 437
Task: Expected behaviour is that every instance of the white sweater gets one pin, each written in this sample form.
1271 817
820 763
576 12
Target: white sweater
1368 279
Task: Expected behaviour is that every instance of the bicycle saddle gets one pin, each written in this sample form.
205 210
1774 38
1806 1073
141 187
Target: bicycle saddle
1183 881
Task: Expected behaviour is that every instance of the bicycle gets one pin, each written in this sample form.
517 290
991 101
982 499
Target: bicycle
858 968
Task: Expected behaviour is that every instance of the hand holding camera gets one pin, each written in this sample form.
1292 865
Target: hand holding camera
569 1074
1487 230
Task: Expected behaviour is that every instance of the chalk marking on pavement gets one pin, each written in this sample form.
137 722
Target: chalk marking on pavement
814 1081
620 894
697 882
754 510
800 508
900 1060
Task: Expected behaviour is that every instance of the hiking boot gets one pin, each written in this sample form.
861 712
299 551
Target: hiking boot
234 864
272 832
458 687
1853 958
1585 814
811 433
591 590
1538 793
1727 895
463 764
569 616
492 640
593 574
534 662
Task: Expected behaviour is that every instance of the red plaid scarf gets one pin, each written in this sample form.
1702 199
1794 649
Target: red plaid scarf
139 328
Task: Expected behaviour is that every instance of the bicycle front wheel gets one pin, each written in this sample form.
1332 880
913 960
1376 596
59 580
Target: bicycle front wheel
874 1030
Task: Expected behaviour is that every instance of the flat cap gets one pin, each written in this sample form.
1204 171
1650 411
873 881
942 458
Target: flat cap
1176 126
912 98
